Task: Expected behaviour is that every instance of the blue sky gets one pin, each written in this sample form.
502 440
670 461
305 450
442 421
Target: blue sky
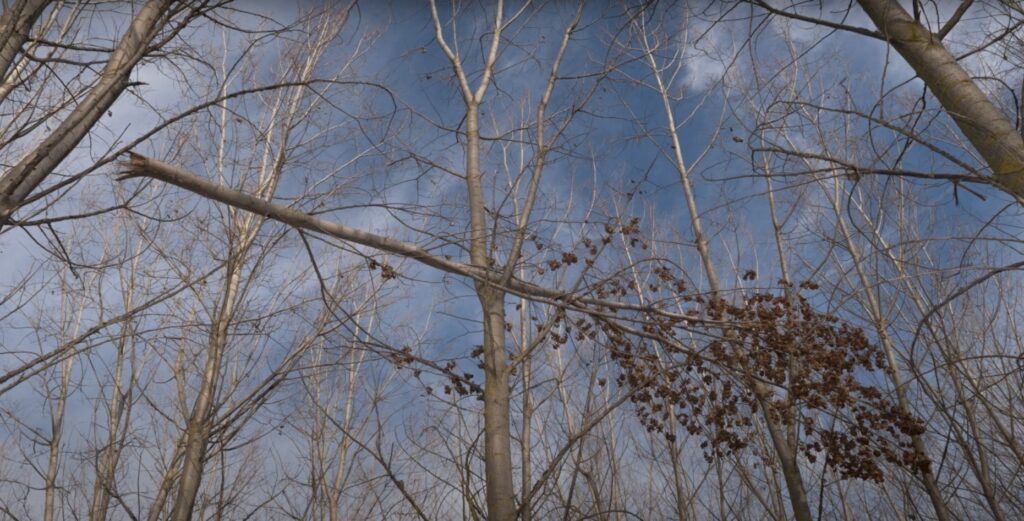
361 144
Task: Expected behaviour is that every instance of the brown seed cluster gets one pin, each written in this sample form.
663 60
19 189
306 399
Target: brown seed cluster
387 272
717 366
775 355
769 354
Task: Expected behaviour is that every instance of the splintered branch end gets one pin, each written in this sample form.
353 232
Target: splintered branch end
137 165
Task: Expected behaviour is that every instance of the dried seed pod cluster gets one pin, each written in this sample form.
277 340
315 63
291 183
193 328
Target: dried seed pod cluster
770 353
719 364
775 354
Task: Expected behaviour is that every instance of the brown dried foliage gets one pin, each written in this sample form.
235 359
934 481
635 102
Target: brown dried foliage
814 371
814 366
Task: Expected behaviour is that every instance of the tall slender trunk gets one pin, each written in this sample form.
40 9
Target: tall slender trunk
875 313
957 375
355 363
245 229
979 463
497 438
108 457
118 407
794 366
56 433
681 498
780 439
197 431
525 438
576 431
173 467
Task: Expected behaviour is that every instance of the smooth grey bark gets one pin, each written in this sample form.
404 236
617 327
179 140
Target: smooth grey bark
198 430
784 449
497 435
497 439
989 130
19 182
501 505
874 311
15 25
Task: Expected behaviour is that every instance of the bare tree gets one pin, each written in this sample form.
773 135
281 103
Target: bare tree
153 26
510 261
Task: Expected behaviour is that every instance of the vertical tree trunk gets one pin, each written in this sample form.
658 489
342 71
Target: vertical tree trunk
671 428
524 439
56 433
788 462
784 450
790 442
109 456
197 431
497 439
874 311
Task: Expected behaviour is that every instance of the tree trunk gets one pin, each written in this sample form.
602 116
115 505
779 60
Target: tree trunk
19 182
198 429
787 459
108 457
785 451
874 310
56 433
15 25
497 439
984 125
526 478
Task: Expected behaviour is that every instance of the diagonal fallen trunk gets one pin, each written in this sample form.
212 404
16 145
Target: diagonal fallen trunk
139 166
